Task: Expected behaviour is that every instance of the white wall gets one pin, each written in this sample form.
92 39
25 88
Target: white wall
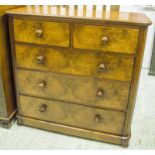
151 31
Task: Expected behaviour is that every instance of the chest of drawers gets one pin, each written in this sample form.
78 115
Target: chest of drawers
77 75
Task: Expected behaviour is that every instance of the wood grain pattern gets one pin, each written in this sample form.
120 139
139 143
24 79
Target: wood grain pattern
118 67
114 95
121 40
51 33
73 115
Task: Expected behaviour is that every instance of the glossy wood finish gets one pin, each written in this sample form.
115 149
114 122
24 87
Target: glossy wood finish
51 69
87 91
71 114
76 62
123 40
7 101
50 33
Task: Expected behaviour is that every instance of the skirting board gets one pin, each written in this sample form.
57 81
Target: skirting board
119 140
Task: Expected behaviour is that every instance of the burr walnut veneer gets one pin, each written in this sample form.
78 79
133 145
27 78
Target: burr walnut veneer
75 74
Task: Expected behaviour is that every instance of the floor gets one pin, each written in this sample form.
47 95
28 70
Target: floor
143 128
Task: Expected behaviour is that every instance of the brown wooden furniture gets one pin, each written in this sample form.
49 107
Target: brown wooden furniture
7 101
77 74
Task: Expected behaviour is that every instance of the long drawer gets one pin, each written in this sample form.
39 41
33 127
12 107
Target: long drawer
73 115
87 91
113 39
102 65
41 32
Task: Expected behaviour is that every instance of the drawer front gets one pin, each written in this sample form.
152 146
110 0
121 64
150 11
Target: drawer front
41 32
109 66
87 91
114 39
73 115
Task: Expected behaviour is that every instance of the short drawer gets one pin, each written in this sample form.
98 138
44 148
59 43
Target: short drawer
41 32
113 39
75 62
86 91
73 115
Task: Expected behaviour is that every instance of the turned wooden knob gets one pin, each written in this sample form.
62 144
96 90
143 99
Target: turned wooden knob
104 39
40 59
100 93
98 118
39 33
102 67
42 84
43 108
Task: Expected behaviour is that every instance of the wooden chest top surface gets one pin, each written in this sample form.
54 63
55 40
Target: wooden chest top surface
78 13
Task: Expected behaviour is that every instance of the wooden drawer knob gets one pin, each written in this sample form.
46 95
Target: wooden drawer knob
42 84
105 39
43 108
39 33
100 93
98 118
40 59
102 67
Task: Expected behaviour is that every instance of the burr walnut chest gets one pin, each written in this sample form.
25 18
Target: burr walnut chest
77 74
